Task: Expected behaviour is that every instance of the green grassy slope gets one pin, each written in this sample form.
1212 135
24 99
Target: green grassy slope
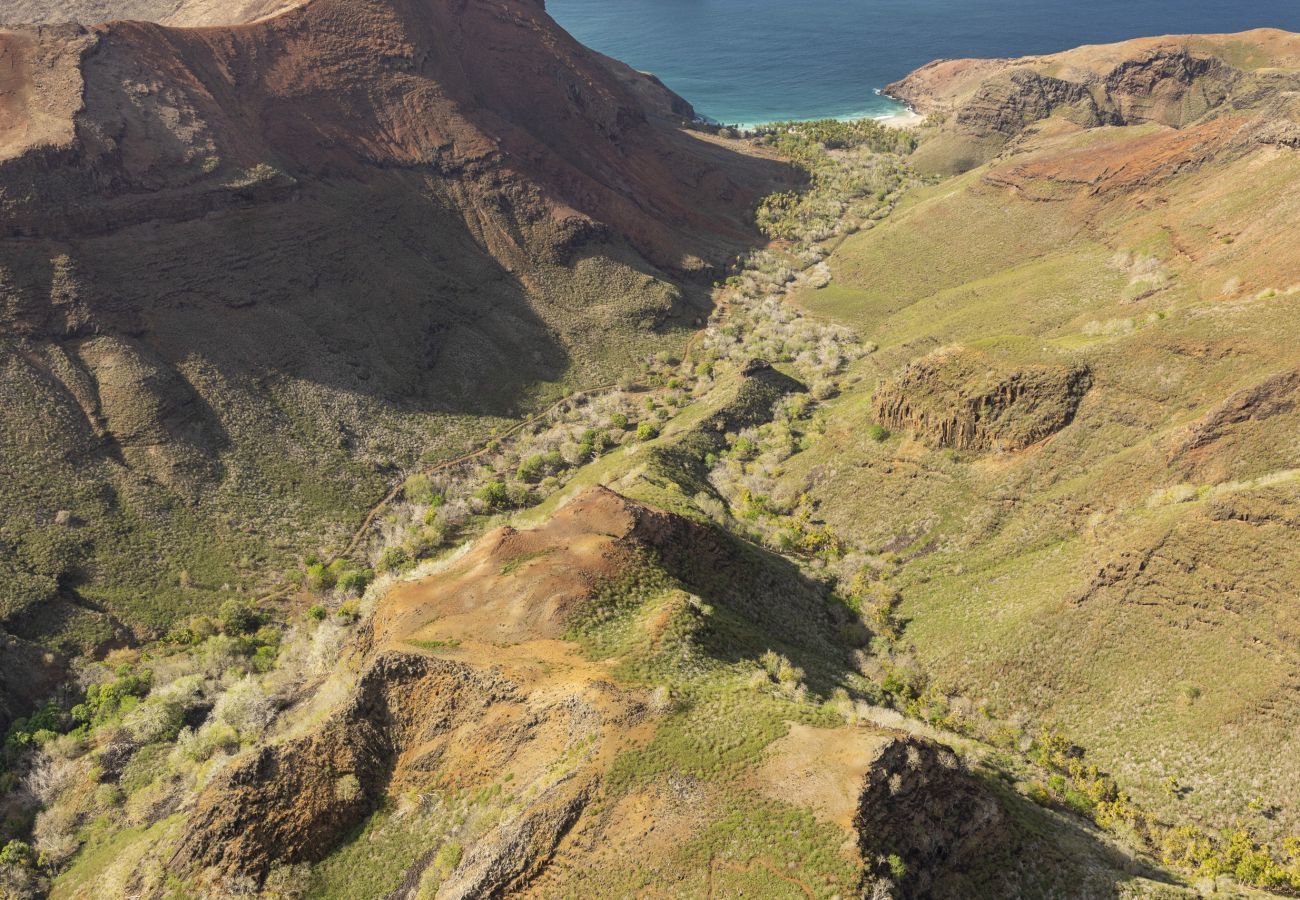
1125 579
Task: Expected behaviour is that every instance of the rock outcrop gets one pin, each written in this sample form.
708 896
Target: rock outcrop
920 805
963 399
1175 81
1273 396
468 681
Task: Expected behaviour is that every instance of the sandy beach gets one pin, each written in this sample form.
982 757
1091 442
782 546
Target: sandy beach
906 119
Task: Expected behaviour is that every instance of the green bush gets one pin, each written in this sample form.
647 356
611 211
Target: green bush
238 617
419 489
317 613
30 731
877 432
744 449
106 702
618 420
530 469
17 854
593 443
647 431
494 494
394 559
357 580
538 466
319 578
263 658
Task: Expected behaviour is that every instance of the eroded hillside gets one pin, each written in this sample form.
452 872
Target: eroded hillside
1126 570
953 557
250 272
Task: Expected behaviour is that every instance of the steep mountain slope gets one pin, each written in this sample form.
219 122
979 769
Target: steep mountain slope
1126 572
249 271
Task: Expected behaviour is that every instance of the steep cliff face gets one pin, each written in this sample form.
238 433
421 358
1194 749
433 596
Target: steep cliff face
346 229
1175 81
966 400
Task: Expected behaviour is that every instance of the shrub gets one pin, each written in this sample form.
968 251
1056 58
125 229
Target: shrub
17 853
647 431
618 420
200 745
393 559
744 448
31 730
319 578
530 469
877 432
350 611
419 489
518 495
593 443
347 788
263 658
316 612
494 494
244 707
356 581
156 719
105 702
238 617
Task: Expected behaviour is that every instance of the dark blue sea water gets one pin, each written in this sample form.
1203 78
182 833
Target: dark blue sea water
750 61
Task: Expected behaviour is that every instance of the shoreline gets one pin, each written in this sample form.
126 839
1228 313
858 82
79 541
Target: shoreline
907 117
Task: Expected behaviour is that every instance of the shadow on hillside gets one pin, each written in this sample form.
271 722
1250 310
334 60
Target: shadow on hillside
963 832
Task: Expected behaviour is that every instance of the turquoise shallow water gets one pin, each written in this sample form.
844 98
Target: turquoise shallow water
750 61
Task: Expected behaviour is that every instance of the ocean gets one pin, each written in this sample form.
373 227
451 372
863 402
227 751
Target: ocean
752 61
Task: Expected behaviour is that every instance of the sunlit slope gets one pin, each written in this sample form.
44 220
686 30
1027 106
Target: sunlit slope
1133 575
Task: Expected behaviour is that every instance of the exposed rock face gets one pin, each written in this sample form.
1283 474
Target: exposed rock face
516 850
411 718
962 399
292 801
920 804
1273 396
1170 81
1173 88
1007 104
440 704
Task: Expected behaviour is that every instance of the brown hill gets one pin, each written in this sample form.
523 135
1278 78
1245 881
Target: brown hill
305 250
977 106
469 684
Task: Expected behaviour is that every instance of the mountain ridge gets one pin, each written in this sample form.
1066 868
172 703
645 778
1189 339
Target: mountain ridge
341 225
